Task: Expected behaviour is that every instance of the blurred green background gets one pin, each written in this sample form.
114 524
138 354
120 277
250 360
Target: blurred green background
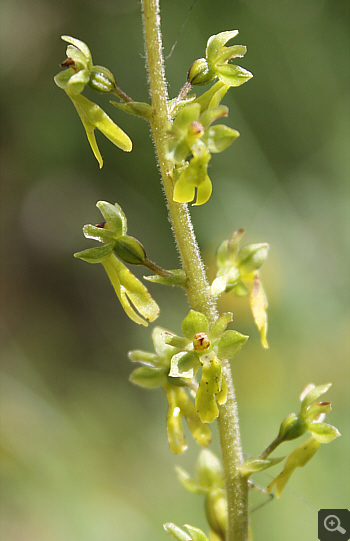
84 452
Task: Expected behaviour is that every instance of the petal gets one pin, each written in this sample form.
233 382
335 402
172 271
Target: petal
216 42
114 216
95 255
81 46
194 323
77 82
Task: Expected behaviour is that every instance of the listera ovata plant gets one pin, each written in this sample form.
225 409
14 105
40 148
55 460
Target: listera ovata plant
193 369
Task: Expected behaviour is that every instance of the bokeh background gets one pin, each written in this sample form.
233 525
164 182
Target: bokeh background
84 452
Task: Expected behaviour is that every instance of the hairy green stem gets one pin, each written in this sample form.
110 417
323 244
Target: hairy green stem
197 284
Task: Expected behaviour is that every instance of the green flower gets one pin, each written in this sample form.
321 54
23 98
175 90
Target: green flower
215 64
130 291
238 267
203 348
79 73
310 417
154 374
192 133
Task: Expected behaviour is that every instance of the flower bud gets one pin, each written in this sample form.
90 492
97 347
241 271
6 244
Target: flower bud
102 80
200 73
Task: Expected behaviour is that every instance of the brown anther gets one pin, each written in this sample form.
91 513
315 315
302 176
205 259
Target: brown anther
68 63
200 341
196 127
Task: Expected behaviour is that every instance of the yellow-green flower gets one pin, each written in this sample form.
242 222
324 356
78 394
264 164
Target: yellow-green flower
79 73
130 291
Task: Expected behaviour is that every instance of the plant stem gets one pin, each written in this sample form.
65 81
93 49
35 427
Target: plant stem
198 291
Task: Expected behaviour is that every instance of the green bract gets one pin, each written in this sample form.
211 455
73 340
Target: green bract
238 267
215 64
79 73
203 348
154 374
129 289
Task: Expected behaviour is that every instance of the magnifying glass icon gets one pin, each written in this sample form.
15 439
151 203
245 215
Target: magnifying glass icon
332 524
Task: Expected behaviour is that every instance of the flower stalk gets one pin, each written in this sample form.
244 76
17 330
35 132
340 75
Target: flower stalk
197 286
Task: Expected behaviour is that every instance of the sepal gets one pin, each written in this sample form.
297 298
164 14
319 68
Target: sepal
114 217
95 255
323 432
143 357
81 46
194 323
233 75
230 343
312 393
148 377
218 138
219 326
101 234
